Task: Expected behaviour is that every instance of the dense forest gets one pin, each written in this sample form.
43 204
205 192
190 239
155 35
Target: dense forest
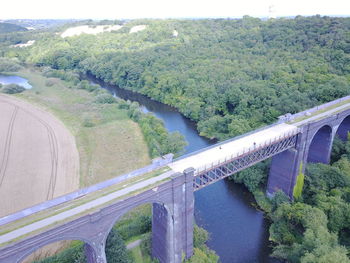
8 27
228 75
315 228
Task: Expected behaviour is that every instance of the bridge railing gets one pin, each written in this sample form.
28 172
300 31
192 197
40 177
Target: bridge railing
226 141
243 159
156 164
289 117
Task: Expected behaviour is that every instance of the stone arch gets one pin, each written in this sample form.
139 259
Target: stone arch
162 228
320 146
344 129
88 247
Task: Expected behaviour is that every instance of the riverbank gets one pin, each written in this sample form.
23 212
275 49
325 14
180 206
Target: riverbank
109 142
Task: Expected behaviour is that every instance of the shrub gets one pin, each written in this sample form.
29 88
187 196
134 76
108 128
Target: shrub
50 82
88 123
7 65
12 89
105 99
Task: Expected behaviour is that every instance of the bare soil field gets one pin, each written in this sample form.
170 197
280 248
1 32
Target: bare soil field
38 156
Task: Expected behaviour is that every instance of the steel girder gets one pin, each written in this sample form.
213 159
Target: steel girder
229 166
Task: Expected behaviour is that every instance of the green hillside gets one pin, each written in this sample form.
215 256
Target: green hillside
229 75
7 28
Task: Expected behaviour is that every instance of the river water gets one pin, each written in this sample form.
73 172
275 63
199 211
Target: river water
238 231
15 80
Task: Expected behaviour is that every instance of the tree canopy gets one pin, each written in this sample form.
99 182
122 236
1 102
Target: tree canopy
229 75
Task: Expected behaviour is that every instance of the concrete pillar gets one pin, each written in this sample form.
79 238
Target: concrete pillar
188 213
161 234
179 206
172 235
89 253
284 170
95 253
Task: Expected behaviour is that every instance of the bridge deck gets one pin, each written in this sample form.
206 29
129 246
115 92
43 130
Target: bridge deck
233 148
321 113
82 209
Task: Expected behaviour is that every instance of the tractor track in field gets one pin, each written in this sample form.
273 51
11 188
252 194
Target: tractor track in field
7 148
53 149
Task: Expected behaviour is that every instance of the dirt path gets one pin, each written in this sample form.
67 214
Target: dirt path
38 156
134 244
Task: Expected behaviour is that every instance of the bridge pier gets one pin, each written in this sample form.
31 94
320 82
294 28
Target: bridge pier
97 254
284 169
172 236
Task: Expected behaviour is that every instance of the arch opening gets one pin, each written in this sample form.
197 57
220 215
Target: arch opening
344 129
144 231
320 147
60 251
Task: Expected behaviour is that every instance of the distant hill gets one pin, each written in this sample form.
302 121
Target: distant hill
40 23
7 28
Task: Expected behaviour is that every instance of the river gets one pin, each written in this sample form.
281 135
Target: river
4 79
238 231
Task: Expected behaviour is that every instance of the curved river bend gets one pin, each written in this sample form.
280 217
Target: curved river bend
238 232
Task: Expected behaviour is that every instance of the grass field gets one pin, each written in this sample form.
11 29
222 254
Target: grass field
112 146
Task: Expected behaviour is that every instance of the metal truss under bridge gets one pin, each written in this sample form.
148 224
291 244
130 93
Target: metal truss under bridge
217 171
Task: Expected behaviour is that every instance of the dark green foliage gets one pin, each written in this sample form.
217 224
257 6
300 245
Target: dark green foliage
321 177
115 248
8 65
228 75
12 89
139 225
252 177
88 122
74 254
340 149
278 199
84 84
105 99
61 74
159 140
202 254
115 252
302 234
200 236
7 28
317 230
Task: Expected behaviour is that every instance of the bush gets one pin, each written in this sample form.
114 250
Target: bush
115 249
50 82
200 236
7 65
84 84
139 225
105 99
88 123
12 89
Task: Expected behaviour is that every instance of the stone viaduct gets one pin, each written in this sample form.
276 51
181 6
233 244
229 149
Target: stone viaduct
309 140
